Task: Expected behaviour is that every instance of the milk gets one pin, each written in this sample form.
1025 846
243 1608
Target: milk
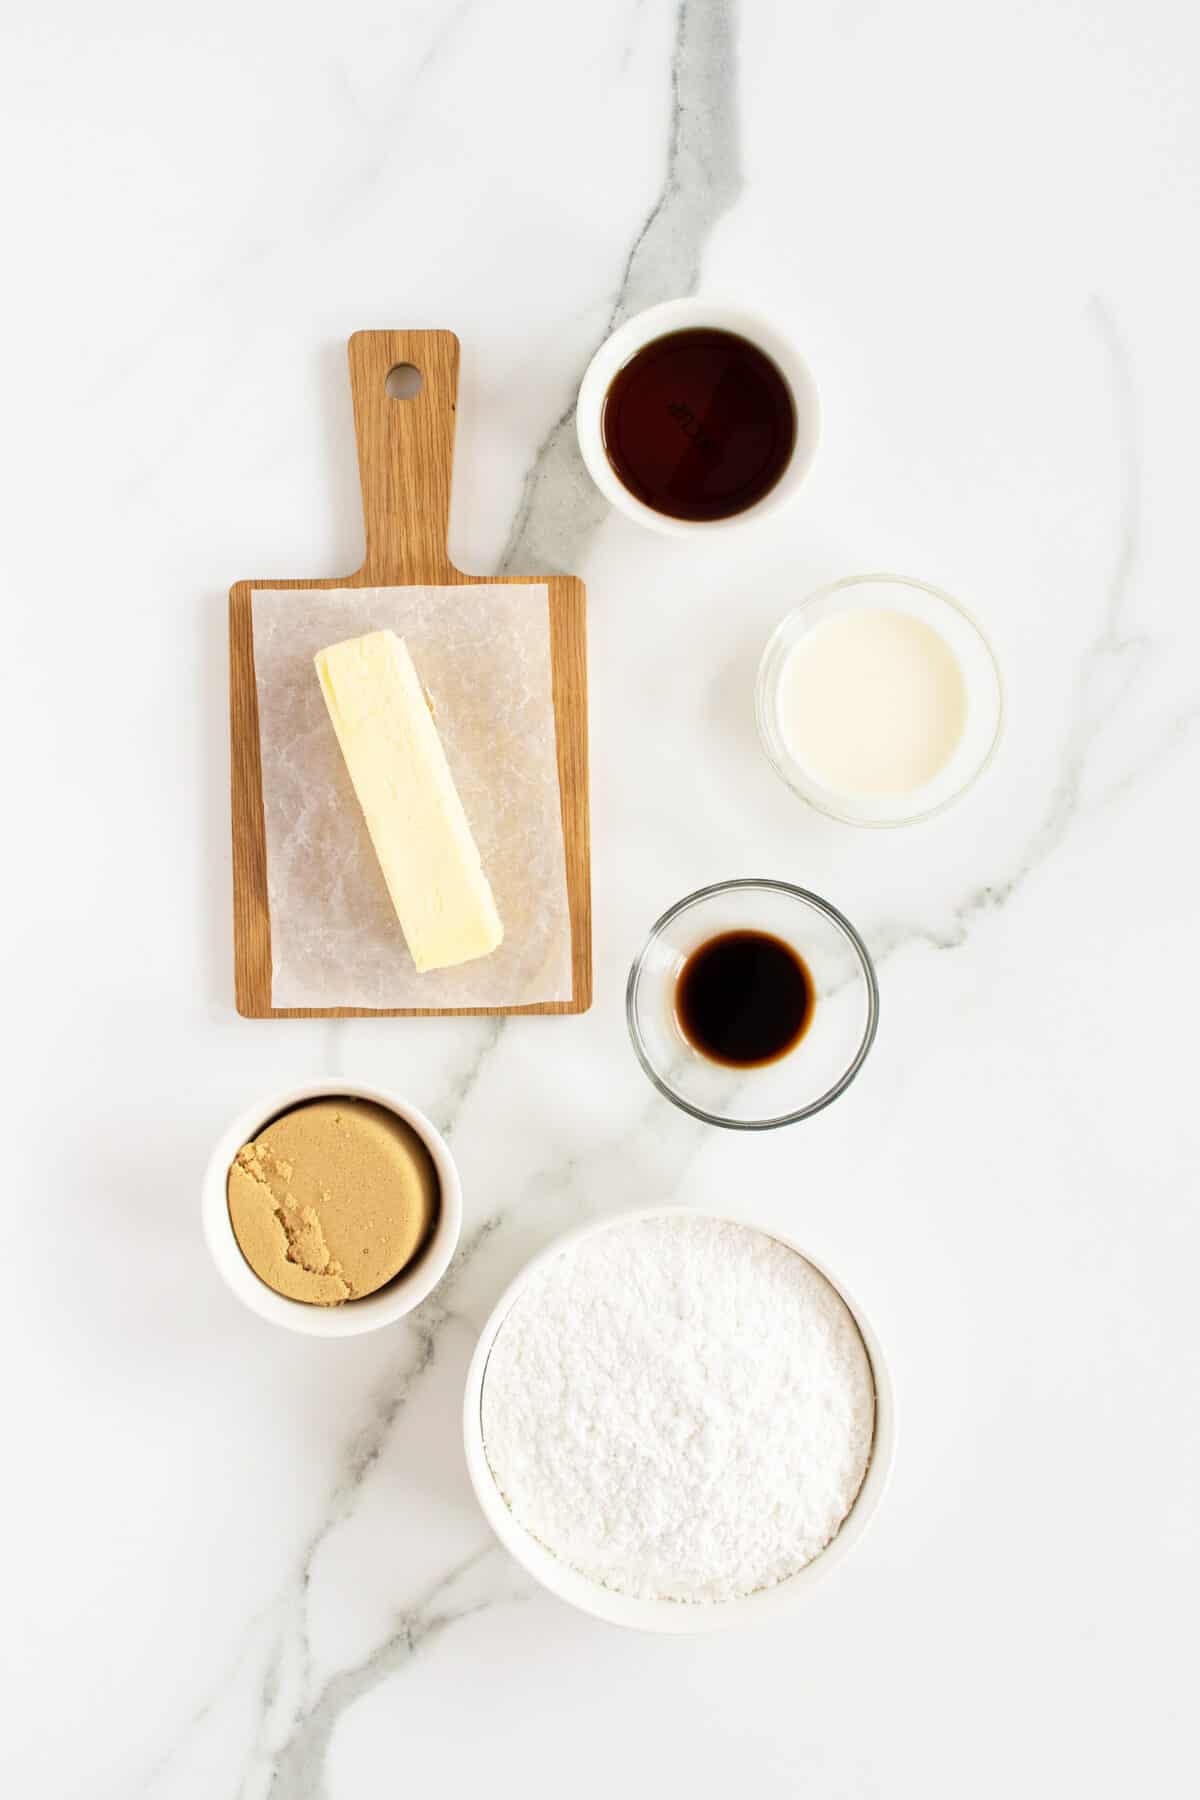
872 702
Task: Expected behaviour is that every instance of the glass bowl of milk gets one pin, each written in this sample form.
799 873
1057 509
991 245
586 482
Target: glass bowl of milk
879 700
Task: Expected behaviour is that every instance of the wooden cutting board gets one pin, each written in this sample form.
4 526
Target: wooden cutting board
405 456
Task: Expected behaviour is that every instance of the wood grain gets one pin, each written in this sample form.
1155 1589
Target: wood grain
405 461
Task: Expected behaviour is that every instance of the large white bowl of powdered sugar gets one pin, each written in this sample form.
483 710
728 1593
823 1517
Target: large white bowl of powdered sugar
677 1421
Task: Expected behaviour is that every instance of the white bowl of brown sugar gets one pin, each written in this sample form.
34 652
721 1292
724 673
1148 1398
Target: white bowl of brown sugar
331 1209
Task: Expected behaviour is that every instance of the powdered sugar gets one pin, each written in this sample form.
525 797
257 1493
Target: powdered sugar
680 1408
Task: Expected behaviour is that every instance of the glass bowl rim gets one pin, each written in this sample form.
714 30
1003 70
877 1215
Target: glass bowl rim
809 794
807 898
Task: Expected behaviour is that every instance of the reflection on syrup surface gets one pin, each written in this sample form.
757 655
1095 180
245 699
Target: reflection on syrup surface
699 424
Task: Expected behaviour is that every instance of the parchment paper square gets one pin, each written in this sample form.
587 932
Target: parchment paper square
483 653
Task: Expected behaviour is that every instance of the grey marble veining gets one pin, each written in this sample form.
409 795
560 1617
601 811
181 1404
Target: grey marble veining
560 509
296 1769
253 1564
558 514
296 1722
1110 667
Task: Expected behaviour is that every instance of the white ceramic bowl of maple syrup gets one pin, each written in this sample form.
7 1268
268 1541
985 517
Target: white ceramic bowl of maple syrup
696 417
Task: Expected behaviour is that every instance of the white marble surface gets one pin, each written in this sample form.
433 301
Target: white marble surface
241 1563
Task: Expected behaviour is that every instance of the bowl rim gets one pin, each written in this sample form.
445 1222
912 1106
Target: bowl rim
398 1297
807 897
691 311
670 1616
789 772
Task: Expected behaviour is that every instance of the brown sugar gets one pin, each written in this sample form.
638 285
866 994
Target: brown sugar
332 1200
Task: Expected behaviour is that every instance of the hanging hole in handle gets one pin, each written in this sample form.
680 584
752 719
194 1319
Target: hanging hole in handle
404 382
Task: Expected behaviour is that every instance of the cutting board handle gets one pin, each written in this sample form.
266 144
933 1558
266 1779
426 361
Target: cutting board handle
405 454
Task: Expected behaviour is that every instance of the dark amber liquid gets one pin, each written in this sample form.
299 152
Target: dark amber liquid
744 998
699 424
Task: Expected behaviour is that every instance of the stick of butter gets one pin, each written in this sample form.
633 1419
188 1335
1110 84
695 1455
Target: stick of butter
407 793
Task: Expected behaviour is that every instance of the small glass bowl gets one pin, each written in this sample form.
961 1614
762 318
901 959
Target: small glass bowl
826 1059
980 672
